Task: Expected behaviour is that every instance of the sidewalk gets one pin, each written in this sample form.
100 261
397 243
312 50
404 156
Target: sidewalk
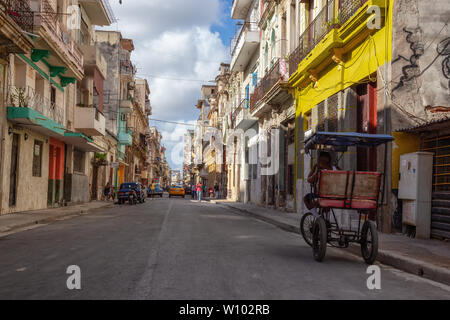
20 220
427 258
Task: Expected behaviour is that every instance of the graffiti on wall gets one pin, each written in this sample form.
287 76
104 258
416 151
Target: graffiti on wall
412 70
443 49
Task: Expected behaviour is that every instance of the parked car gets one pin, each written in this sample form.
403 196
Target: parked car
132 192
187 189
177 191
156 192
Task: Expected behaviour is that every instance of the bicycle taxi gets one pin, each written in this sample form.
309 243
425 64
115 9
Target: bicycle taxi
359 191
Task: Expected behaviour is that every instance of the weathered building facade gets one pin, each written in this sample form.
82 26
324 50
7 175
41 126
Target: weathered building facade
46 150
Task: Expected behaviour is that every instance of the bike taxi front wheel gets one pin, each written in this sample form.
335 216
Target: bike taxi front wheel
319 239
369 242
306 227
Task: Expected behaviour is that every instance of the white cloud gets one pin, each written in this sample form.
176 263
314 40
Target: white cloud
172 39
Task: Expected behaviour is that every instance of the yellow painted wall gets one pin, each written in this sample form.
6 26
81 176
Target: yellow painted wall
359 64
121 174
404 143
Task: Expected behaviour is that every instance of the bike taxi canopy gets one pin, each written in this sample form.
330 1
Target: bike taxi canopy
342 140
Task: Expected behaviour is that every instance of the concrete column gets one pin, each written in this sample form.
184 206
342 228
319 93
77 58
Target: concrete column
347 122
384 126
299 164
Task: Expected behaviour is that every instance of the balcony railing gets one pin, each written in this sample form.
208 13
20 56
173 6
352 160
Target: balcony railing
238 109
127 68
29 98
236 41
20 12
347 8
148 107
323 23
54 25
267 83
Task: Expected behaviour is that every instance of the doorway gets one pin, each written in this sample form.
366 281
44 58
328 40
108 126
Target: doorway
94 192
367 123
13 171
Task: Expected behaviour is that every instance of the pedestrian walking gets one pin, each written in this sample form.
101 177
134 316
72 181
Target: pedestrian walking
107 192
216 191
199 189
193 191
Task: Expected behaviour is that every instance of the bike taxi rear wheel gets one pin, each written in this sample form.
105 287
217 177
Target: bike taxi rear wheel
307 226
369 242
319 239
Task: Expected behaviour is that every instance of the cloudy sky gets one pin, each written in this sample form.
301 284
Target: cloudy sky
179 45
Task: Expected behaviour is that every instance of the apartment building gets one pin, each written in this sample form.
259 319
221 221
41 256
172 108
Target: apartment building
46 150
118 103
376 67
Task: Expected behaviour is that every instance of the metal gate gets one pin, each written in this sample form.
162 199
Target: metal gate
440 211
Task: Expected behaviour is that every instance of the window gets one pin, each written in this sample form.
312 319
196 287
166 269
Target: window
37 158
78 161
272 49
254 79
247 95
53 96
266 57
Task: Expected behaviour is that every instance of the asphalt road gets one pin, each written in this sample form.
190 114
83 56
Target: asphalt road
182 249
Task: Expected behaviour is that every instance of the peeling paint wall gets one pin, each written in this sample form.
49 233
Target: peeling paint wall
420 60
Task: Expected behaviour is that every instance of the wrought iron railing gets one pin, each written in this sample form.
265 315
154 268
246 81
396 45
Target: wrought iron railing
347 8
246 26
127 68
270 79
323 23
29 98
20 12
238 109
56 27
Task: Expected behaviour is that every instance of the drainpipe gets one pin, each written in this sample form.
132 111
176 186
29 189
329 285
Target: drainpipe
3 128
118 154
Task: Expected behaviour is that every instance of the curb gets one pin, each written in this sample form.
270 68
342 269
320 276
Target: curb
74 212
390 258
282 225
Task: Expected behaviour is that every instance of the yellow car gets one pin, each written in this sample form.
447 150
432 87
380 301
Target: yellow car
177 191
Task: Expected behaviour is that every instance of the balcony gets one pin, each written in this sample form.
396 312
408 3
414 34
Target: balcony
125 137
126 106
15 15
324 22
268 8
272 89
28 109
53 36
242 118
243 45
148 108
94 59
89 121
29 98
240 9
98 11
127 70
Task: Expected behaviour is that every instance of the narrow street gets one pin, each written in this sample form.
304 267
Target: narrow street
181 249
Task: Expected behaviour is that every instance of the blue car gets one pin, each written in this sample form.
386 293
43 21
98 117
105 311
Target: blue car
132 192
156 192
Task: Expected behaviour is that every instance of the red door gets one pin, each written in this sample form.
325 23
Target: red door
367 123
